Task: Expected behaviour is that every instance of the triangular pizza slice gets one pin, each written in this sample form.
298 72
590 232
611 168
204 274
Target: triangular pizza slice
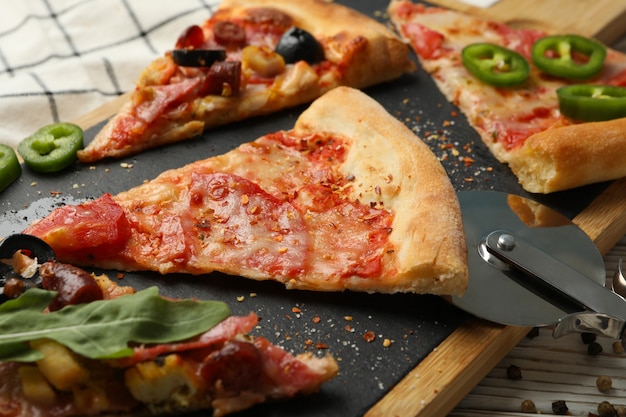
349 199
251 57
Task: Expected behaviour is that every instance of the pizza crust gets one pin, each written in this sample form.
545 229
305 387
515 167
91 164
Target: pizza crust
391 165
571 156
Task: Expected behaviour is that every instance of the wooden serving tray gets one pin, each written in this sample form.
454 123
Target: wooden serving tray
445 373
603 19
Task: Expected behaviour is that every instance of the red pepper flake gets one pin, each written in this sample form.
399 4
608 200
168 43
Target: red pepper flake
454 113
369 336
296 310
468 161
120 275
308 342
316 319
55 193
321 345
348 328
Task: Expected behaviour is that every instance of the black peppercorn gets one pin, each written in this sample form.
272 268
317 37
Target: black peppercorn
559 408
594 348
514 372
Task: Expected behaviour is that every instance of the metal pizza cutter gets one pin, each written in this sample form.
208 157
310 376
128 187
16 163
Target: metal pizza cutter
530 266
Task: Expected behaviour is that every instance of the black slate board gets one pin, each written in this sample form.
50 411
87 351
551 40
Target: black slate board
415 323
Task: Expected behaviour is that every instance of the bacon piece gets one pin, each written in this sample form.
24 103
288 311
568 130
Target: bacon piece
156 99
224 331
286 375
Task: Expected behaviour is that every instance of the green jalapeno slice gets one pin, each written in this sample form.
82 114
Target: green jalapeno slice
495 65
592 103
10 168
52 147
569 56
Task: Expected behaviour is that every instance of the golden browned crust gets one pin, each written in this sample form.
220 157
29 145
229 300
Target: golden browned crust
391 165
368 52
571 156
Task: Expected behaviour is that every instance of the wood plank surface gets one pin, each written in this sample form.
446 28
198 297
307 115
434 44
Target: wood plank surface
602 19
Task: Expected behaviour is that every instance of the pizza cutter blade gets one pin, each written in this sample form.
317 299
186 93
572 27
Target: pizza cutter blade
530 266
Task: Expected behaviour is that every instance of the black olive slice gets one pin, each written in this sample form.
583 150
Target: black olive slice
31 245
299 45
198 57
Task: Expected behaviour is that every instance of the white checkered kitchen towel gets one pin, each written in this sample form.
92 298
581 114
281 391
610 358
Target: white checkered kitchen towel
60 59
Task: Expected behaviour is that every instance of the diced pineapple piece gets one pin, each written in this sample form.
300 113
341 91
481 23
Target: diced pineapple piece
154 383
59 365
35 386
262 60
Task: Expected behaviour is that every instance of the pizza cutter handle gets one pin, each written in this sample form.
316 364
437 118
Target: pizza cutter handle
602 311
590 322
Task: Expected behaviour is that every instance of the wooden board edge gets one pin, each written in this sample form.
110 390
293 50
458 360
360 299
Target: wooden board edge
101 113
520 14
450 371
604 220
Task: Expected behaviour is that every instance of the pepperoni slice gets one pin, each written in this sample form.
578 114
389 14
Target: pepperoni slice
229 34
192 37
238 223
97 225
269 18
237 364
223 78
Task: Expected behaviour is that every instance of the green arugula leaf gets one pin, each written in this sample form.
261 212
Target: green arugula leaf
102 329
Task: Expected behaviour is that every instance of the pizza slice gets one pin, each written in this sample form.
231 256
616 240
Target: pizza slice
251 57
135 353
549 146
349 199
